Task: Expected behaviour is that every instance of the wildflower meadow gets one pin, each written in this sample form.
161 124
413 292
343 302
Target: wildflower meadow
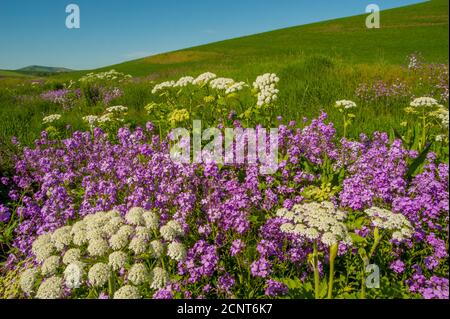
207 185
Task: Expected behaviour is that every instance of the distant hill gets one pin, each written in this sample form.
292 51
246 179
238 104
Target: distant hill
42 70
420 28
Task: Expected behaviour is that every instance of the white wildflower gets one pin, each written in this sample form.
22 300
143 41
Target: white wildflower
50 288
157 248
171 230
98 275
135 216
266 87
424 102
184 81
176 251
204 78
98 247
118 241
73 275
127 292
28 280
62 237
221 83
117 109
239 86
346 104
138 274
117 260
159 278
50 265
51 118
151 220
138 246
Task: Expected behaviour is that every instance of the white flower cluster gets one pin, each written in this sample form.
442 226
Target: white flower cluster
221 83
117 109
443 115
111 75
184 81
316 221
162 86
204 78
236 87
424 102
90 119
266 86
384 219
51 118
74 256
345 104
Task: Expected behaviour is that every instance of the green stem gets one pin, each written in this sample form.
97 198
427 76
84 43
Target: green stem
316 271
333 254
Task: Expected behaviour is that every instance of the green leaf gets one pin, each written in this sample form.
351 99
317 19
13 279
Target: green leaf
418 161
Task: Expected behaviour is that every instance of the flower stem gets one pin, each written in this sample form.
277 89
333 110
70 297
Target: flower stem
316 271
333 254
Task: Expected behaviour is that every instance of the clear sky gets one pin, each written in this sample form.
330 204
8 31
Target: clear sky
112 31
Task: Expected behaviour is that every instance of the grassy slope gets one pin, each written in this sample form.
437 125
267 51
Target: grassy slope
318 64
422 27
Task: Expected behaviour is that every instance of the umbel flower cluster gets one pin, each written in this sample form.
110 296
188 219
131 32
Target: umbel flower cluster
104 253
316 222
265 86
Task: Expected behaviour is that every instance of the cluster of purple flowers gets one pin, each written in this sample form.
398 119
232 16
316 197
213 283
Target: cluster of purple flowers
382 90
63 97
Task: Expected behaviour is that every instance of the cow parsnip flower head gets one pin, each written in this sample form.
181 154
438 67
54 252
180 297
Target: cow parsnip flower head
171 230
50 288
176 251
117 260
117 109
159 278
316 221
139 274
157 248
178 116
127 292
265 85
424 102
204 78
135 216
51 118
82 260
62 237
184 81
98 247
98 275
42 247
151 220
345 104
384 219
50 265
221 83
73 275
163 86
138 245
28 280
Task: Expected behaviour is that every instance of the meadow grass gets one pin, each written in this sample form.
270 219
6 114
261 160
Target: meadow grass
317 64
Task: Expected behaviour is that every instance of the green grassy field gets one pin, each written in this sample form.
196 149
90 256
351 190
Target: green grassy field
317 64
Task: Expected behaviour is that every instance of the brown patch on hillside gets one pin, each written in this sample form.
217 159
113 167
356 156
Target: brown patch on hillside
181 57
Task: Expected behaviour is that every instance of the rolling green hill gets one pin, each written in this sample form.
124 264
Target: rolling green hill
417 28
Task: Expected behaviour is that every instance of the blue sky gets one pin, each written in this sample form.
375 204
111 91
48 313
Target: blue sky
112 31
